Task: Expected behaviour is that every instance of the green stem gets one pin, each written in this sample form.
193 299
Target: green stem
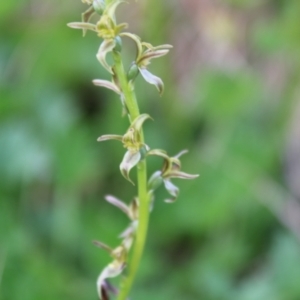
132 106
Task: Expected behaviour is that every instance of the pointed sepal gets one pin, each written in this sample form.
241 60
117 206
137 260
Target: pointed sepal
155 181
110 9
130 160
107 84
144 61
107 137
103 246
106 47
182 175
85 17
137 41
114 269
138 121
152 79
118 203
172 189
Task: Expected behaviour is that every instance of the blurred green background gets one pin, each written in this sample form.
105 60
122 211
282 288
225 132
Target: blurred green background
232 98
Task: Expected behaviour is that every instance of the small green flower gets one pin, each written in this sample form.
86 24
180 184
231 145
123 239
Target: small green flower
171 169
146 52
132 141
106 28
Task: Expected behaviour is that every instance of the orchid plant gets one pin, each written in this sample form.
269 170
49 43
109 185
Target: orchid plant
123 84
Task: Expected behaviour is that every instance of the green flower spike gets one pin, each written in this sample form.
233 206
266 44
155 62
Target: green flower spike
171 169
146 52
132 142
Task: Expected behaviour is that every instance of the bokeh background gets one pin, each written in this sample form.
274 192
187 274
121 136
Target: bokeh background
232 98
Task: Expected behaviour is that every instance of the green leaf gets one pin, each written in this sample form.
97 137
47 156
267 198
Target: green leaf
82 25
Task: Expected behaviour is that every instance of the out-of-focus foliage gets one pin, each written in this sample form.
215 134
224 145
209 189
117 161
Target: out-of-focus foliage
232 97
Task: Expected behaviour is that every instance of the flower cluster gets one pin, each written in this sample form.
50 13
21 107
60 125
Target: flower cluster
132 142
119 254
122 83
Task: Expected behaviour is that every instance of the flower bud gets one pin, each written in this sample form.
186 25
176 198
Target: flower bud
132 72
118 46
99 6
155 181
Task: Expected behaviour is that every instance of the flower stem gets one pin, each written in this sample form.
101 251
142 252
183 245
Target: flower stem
132 106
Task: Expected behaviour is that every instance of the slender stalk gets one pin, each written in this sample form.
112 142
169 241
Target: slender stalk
132 105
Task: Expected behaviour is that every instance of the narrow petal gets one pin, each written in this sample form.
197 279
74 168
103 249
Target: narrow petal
181 153
137 40
151 47
138 121
167 165
129 161
159 152
112 270
111 8
152 79
107 137
82 25
103 246
172 189
107 84
127 232
85 17
182 175
120 27
106 47
118 203
148 55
